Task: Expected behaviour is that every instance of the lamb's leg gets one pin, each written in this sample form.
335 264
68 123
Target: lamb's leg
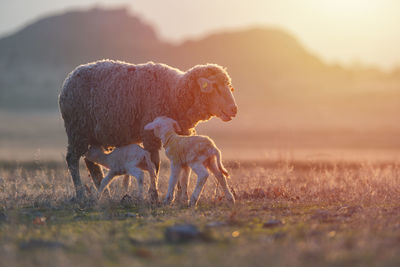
202 175
212 165
139 174
96 173
173 179
72 158
182 195
126 183
105 182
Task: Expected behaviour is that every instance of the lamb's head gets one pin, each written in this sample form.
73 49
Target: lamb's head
162 125
94 152
214 83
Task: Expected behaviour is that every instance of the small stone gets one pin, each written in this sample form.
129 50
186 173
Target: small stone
131 215
215 224
38 244
182 233
272 223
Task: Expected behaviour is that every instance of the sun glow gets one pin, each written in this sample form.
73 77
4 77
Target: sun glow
354 8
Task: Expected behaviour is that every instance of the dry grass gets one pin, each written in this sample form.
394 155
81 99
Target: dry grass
332 213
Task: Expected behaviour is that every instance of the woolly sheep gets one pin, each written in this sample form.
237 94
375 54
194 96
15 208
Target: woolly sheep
127 160
108 103
197 152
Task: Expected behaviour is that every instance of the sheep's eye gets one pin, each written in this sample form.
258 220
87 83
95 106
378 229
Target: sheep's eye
232 89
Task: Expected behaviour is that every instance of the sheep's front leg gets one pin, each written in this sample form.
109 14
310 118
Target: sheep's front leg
126 183
202 175
173 179
222 181
96 173
153 190
182 195
152 144
139 174
106 181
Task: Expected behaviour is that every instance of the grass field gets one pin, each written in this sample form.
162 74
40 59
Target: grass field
288 213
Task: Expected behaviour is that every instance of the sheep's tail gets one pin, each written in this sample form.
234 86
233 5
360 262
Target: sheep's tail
220 165
150 165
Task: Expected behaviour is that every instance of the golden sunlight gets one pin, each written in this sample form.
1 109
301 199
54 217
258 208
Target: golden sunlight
356 8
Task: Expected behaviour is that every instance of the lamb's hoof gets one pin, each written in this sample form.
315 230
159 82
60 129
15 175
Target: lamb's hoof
167 201
193 203
233 191
183 201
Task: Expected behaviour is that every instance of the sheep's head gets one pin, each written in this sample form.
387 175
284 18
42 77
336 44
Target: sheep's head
216 84
162 125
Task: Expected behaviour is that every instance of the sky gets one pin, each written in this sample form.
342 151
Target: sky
339 31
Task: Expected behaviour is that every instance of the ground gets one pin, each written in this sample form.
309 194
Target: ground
286 214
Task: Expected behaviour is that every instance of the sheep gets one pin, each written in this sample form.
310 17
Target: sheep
197 152
127 160
108 103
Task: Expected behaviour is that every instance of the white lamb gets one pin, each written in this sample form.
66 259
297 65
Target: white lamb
126 160
197 152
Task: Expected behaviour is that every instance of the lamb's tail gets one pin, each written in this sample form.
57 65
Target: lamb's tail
220 165
150 165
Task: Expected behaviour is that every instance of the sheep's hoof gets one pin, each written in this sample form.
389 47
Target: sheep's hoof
153 196
80 196
126 201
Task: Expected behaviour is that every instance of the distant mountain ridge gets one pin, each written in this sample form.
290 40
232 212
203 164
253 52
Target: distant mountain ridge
35 60
80 36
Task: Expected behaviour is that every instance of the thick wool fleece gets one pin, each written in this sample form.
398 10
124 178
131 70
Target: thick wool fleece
109 102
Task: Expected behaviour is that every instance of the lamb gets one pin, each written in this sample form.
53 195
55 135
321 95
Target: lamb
108 103
197 152
127 160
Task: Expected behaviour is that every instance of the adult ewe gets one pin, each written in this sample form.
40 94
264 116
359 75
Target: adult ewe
108 103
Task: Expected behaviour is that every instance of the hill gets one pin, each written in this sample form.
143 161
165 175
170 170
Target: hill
269 66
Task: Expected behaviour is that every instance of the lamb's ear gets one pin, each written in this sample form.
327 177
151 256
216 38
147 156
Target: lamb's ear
206 86
177 128
150 126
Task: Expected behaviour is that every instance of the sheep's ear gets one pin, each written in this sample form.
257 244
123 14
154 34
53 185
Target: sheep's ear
177 127
206 86
150 126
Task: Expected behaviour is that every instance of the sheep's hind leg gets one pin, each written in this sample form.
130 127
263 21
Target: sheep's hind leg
202 175
173 179
139 174
96 173
182 194
105 182
212 165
